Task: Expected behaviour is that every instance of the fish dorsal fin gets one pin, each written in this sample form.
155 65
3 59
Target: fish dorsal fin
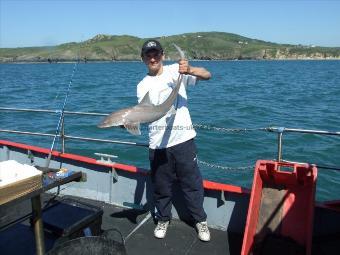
146 99
133 128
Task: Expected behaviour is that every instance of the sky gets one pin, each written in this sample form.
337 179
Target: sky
25 23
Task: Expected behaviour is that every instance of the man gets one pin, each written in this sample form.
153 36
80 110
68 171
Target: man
172 151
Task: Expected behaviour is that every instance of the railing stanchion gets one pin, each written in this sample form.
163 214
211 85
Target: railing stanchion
63 134
279 143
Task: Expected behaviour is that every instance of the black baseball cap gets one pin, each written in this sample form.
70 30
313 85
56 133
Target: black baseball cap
151 45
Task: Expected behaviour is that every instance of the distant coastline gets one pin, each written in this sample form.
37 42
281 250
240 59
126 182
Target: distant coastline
193 60
200 46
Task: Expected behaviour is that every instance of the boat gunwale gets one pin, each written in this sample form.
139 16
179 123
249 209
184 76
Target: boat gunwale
208 185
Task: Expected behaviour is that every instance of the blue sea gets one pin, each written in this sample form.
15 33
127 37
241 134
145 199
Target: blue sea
247 95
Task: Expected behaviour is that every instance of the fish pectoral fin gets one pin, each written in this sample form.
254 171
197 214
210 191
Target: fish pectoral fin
133 128
146 99
172 110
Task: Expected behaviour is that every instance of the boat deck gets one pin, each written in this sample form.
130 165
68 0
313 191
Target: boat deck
181 237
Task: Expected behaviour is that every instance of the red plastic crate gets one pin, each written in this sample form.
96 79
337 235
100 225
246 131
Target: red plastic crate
280 213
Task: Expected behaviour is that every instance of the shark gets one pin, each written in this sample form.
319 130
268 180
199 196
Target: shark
145 111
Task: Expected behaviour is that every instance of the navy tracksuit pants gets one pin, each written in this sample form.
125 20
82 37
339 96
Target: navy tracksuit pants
177 163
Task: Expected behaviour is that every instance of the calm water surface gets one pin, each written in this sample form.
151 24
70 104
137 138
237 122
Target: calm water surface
241 94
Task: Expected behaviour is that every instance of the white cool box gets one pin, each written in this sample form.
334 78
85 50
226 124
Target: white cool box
17 180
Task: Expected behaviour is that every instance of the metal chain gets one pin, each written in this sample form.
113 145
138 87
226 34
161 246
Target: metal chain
227 168
221 129
226 130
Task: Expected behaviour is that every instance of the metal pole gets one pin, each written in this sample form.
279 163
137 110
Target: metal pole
309 131
304 131
38 225
105 141
75 138
279 148
52 111
63 135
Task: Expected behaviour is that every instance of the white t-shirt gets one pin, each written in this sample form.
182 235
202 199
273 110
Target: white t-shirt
171 129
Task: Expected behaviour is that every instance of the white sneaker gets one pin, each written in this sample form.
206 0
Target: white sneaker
161 228
203 231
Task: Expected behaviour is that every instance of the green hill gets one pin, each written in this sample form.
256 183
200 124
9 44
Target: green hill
202 45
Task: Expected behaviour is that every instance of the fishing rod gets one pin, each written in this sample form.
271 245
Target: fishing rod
62 112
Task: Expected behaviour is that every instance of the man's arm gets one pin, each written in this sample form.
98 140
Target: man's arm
200 72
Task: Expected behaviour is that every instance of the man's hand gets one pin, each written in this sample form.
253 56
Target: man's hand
184 67
200 72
